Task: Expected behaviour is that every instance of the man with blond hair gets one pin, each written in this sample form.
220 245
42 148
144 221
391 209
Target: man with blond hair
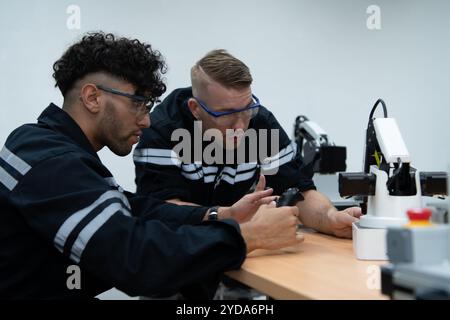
242 145
221 98
64 217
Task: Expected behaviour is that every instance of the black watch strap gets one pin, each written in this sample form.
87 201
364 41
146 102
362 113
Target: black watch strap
213 213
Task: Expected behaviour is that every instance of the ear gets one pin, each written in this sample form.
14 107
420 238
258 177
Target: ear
90 97
194 108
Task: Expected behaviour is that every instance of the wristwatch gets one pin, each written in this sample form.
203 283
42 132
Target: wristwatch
213 213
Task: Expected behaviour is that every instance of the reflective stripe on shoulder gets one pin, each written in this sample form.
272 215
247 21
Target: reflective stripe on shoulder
7 180
14 161
19 165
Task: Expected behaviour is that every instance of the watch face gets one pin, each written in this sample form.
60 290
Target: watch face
212 215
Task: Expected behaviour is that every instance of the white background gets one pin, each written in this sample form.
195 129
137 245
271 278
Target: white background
316 58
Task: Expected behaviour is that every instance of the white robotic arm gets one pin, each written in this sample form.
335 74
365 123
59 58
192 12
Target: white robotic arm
389 185
317 149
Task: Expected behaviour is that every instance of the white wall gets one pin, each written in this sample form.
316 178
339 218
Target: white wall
316 58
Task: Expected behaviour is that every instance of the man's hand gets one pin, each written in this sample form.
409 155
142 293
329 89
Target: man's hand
341 221
272 228
245 208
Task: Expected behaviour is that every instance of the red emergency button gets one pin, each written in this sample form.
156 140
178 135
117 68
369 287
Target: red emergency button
419 214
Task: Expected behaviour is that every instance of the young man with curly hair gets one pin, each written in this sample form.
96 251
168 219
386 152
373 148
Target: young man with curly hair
61 207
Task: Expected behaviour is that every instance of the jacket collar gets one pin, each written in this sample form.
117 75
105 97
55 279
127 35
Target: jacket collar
61 121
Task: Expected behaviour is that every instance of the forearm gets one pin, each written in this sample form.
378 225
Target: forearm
223 212
182 203
173 255
315 211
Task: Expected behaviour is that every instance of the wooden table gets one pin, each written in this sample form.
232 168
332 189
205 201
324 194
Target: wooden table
324 267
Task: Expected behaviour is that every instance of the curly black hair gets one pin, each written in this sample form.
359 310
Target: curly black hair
127 59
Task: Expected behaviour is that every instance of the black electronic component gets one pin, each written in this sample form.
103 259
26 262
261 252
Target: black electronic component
290 197
330 159
433 183
356 184
402 182
319 154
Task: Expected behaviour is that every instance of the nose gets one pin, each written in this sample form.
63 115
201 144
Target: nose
144 122
240 123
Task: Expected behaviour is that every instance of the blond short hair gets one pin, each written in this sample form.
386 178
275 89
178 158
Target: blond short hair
221 67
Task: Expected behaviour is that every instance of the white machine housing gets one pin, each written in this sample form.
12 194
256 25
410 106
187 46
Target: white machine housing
315 131
384 210
390 140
